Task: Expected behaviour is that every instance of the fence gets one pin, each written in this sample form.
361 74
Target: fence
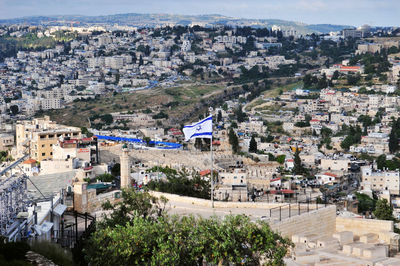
293 209
70 235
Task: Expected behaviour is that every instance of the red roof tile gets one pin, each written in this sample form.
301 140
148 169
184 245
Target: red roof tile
29 161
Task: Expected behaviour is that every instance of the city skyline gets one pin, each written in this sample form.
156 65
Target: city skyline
357 12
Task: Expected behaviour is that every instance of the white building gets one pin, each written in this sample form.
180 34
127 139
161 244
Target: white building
51 103
186 46
380 180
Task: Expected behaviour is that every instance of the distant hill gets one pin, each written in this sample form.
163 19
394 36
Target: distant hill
153 20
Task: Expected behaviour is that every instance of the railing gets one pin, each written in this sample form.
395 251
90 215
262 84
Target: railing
293 209
69 236
66 238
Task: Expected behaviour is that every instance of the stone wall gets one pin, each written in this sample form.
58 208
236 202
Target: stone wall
320 222
218 204
383 229
95 201
363 226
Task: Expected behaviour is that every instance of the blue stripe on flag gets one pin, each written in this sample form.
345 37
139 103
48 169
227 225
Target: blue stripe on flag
201 122
201 134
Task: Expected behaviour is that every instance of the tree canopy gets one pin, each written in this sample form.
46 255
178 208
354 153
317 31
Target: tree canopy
383 211
137 236
253 145
234 141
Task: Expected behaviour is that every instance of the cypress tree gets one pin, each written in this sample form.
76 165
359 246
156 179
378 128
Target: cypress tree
253 145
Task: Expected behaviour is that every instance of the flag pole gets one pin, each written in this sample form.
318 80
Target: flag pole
212 164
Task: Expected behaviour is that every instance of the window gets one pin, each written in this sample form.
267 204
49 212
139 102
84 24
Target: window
51 153
43 154
43 145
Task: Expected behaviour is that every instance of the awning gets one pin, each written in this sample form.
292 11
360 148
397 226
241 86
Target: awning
59 209
43 228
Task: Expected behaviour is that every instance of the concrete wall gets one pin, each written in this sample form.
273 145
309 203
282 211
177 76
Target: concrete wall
320 222
55 166
363 226
219 204
383 229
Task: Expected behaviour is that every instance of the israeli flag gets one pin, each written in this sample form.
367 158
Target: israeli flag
201 129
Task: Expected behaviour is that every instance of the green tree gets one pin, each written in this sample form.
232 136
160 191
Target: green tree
182 182
365 203
335 75
14 109
86 132
393 140
138 232
117 77
281 158
107 118
147 140
240 115
140 60
116 169
133 204
298 168
105 177
253 145
383 211
219 116
381 161
234 141
347 142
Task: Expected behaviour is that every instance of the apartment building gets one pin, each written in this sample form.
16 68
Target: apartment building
38 136
6 141
369 48
52 103
378 180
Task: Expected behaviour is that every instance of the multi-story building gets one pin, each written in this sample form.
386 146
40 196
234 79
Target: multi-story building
369 48
6 141
38 136
353 33
52 103
186 46
380 180
232 185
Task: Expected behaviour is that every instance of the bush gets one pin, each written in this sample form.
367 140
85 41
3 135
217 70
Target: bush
14 251
53 252
105 178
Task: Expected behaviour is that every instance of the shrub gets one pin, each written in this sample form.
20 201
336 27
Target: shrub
53 252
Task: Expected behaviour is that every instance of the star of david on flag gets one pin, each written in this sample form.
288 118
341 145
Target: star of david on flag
201 129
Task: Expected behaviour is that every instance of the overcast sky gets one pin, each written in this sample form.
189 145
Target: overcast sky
349 12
